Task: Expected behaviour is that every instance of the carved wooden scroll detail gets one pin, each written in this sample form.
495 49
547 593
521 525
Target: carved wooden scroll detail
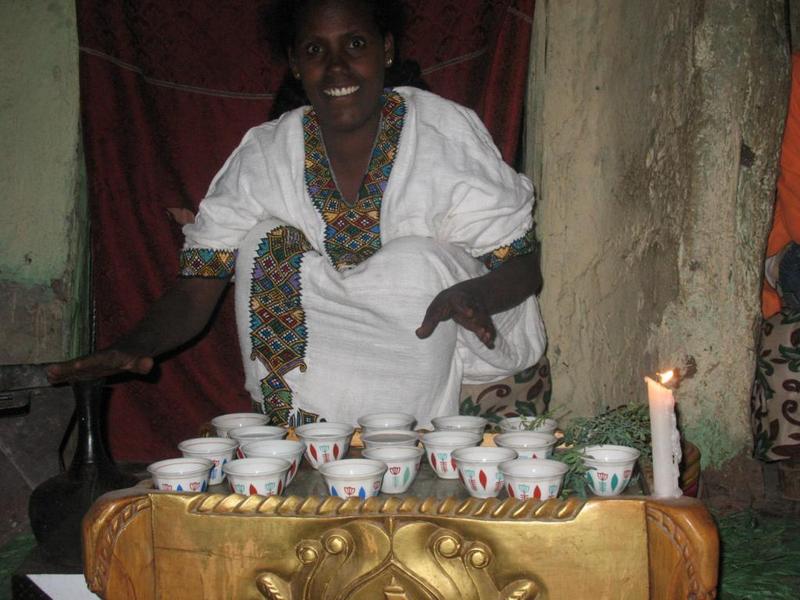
485 509
685 549
115 526
419 560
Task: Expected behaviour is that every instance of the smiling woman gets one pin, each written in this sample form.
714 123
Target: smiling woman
340 56
384 249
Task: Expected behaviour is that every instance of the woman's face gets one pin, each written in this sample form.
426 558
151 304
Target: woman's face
340 56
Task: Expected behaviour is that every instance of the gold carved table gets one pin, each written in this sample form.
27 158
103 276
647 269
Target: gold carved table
143 544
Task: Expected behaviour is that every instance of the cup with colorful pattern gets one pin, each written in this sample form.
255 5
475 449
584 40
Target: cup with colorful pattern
325 441
255 433
389 437
291 450
387 420
353 477
609 468
533 478
510 424
402 465
478 469
181 474
218 450
262 476
224 423
439 446
465 423
527 444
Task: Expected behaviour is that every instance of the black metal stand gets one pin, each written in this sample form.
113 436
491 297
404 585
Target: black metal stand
57 506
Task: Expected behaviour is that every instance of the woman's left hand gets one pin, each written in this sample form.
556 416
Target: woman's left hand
466 307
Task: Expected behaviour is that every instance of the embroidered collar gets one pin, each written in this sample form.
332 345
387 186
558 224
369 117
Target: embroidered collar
352 234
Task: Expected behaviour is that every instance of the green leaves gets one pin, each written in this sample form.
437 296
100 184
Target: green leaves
575 477
626 425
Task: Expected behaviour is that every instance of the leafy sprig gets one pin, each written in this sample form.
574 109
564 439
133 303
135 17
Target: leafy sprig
626 425
575 477
531 423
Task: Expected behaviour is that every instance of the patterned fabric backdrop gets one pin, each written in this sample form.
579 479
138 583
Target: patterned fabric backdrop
167 91
775 401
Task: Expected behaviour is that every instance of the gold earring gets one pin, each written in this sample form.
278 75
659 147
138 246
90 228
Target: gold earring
389 61
296 75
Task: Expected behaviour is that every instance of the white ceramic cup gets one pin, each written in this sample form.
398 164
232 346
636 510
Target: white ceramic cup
181 474
402 466
224 423
263 476
478 469
218 450
533 478
325 441
465 423
527 444
440 444
389 437
388 420
255 433
291 450
610 468
353 477
510 424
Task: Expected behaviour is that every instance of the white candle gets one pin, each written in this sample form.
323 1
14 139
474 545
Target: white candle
665 439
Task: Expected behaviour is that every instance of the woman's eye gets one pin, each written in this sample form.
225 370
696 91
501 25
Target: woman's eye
313 49
358 42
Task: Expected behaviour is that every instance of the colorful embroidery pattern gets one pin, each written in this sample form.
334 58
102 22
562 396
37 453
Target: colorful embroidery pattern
518 247
353 234
296 416
277 320
205 262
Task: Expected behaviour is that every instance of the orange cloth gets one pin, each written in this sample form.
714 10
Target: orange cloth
786 220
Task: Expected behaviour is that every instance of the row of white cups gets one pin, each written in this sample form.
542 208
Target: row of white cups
255 458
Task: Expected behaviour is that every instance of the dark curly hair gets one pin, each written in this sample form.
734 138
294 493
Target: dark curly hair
283 20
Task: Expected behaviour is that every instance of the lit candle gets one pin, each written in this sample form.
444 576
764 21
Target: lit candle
665 440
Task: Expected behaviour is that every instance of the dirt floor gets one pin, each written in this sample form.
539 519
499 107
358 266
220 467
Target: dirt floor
749 484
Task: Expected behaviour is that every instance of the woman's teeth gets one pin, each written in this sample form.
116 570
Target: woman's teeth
341 91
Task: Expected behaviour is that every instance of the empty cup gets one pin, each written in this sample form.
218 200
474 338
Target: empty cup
181 474
527 444
402 465
440 444
353 477
610 468
255 433
291 450
478 469
224 423
465 423
387 420
262 476
325 441
218 450
536 478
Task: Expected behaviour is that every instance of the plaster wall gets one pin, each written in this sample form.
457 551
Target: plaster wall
653 141
43 236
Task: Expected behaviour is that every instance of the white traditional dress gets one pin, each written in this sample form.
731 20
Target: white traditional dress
328 296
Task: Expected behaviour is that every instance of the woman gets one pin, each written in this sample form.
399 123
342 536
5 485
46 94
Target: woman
356 292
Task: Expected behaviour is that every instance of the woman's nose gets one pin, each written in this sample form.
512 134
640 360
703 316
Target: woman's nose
336 59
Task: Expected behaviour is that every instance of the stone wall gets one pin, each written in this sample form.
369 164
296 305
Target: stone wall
43 237
43 234
653 140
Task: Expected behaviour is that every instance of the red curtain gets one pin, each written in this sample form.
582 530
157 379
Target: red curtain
167 91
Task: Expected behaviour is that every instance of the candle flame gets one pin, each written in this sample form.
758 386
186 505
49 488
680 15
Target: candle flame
666 376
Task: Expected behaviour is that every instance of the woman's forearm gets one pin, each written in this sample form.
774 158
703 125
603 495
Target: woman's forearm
175 318
510 284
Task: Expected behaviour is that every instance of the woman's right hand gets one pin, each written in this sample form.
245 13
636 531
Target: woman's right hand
100 364
175 318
